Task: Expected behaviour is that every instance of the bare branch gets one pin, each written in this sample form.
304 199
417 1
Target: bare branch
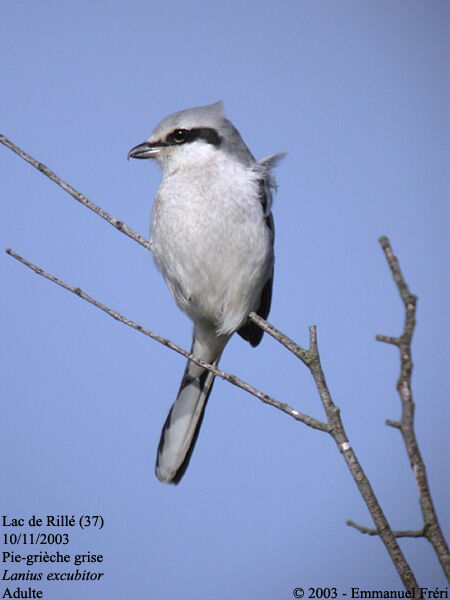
310 421
411 533
120 225
309 357
406 424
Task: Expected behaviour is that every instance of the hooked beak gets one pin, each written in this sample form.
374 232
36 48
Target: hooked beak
145 150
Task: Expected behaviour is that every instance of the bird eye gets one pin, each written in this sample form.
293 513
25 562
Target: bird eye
179 136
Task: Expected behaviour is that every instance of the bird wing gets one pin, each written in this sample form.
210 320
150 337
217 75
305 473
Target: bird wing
250 331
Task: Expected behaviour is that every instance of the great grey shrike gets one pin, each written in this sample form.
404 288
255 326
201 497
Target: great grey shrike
212 238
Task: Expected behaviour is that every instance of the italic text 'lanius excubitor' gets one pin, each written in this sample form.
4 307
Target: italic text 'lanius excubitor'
212 238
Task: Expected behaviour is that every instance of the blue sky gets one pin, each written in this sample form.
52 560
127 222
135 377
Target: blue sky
355 93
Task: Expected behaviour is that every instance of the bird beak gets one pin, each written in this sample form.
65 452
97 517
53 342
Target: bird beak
145 150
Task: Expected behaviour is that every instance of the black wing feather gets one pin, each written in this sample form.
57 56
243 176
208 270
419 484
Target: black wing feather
250 331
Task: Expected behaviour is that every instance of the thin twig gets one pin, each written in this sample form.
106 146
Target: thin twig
120 225
406 424
411 533
388 339
310 421
301 353
391 423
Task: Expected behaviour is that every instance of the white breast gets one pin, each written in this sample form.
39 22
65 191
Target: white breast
211 242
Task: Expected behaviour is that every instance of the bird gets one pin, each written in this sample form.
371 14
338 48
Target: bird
212 235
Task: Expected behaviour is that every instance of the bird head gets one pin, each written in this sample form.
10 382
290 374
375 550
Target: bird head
193 134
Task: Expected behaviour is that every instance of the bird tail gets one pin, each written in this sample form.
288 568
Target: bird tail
182 426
